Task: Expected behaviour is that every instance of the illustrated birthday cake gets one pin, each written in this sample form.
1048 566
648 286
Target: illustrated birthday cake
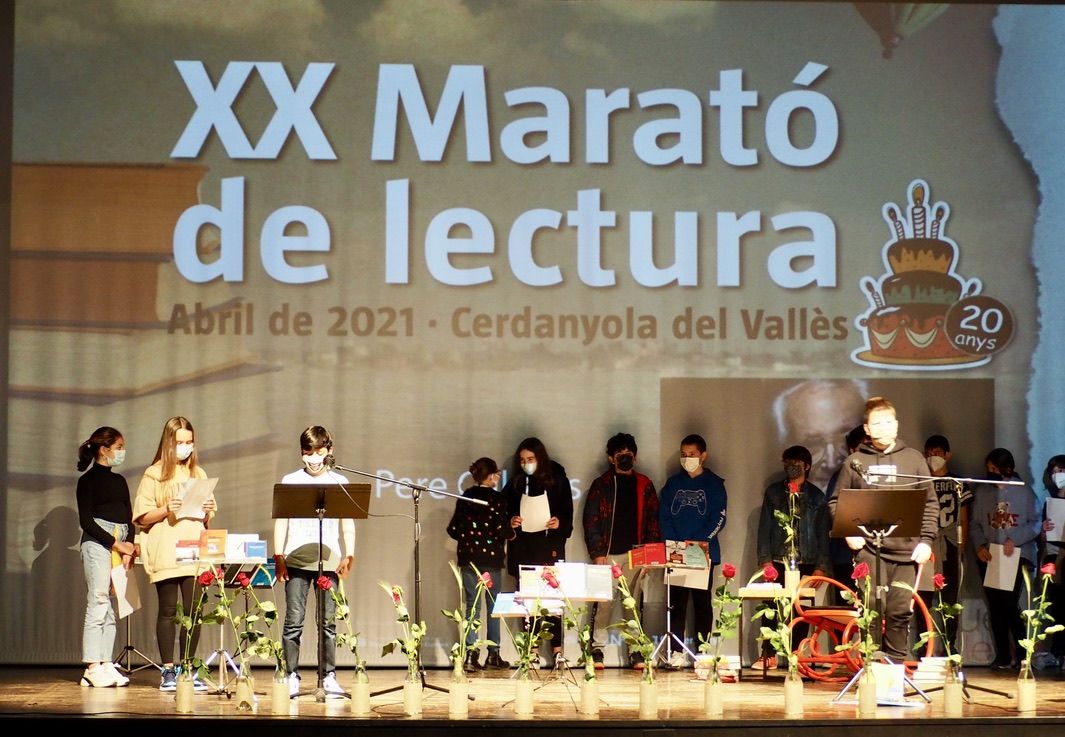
909 303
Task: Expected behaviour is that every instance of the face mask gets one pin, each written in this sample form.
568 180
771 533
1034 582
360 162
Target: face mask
529 468
937 463
1059 479
793 470
184 450
117 459
314 462
691 465
625 462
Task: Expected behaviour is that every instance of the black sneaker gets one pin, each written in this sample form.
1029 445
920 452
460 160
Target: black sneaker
597 659
636 661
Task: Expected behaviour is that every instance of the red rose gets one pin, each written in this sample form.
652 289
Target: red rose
729 571
616 572
486 578
1048 569
206 578
793 487
769 572
549 576
939 581
243 580
397 594
324 583
860 571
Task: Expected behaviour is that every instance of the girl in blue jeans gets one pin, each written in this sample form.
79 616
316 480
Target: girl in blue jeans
106 518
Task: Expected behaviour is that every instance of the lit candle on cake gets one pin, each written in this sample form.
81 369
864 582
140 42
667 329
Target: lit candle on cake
917 214
896 223
937 218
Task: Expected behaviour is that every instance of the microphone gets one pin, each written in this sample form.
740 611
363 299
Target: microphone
330 462
856 465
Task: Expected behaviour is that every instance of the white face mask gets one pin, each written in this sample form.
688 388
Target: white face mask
314 462
936 463
117 459
689 464
1059 479
184 450
529 468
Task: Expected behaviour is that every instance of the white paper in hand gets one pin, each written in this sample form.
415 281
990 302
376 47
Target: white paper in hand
535 511
194 493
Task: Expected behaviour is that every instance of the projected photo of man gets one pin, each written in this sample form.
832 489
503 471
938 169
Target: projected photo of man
818 414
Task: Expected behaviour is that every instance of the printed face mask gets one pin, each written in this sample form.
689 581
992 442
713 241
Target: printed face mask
1059 479
184 450
793 470
937 463
117 458
690 464
529 468
625 462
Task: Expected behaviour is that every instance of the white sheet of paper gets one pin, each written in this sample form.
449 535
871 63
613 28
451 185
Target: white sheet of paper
926 582
1056 514
126 591
691 578
1002 569
535 511
194 493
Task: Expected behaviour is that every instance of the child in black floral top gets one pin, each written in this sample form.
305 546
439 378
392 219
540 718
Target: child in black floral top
482 533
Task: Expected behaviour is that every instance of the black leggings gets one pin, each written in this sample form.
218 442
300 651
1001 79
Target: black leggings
165 626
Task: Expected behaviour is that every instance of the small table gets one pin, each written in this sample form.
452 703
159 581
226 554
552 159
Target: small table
761 593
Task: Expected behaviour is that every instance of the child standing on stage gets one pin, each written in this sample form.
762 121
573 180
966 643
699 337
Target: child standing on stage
157 510
296 555
482 533
106 518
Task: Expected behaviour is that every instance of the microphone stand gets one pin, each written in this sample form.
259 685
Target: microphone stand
957 481
416 495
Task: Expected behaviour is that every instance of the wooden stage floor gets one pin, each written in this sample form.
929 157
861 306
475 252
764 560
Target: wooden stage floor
54 694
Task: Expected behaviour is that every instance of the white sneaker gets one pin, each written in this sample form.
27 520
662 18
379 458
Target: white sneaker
98 677
121 679
331 687
678 661
293 685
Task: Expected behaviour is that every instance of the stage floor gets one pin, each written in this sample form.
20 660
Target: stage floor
55 693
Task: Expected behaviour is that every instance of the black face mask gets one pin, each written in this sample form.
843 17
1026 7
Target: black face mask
793 470
625 462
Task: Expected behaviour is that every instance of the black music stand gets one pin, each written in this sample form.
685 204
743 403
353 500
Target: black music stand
332 500
875 514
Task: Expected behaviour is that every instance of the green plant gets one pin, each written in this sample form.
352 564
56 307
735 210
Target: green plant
941 623
778 610
1036 617
868 621
413 633
527 641
632 628
789 522
469 626
727 610
192 664
342 612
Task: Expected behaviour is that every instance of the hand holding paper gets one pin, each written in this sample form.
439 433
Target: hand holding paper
196 496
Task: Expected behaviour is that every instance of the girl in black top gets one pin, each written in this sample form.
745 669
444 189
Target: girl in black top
482 533
106 518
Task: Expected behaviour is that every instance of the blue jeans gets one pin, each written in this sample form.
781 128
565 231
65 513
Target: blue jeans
98 630
299 585
469 588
